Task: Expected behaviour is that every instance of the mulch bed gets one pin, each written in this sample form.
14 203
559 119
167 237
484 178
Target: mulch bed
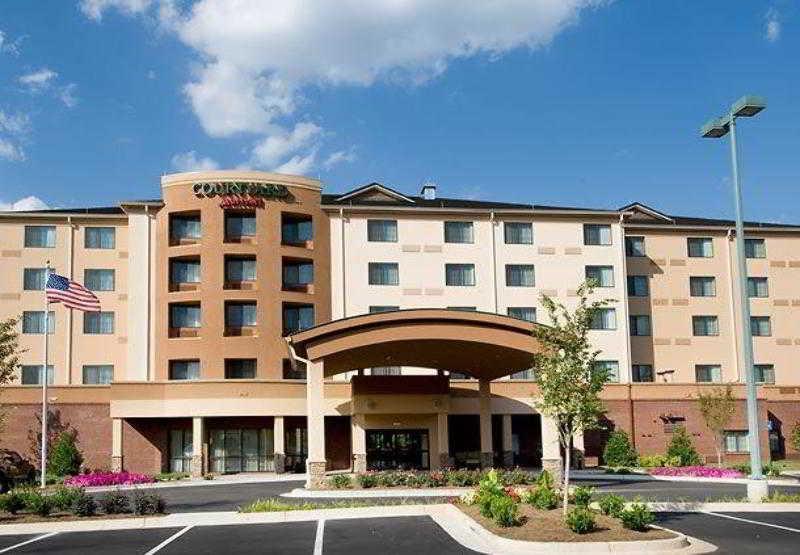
26 518
549 526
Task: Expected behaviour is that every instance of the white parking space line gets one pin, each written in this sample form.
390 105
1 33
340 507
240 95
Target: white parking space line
26 542
169 540
740 519
320 534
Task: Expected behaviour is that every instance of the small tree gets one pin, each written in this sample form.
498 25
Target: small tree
717 408
681 447
618 450
9 356
794 437
569 384
66 458
55 428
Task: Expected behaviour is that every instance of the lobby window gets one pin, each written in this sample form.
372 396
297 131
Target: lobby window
33 278
239 269
384 273
32 374
755 248
297 317
764 373
181 446
760 326
33 322
600 276
240 225
239 316
596 234
297 274
382 231
98 323
240 368
640 325
385 371
705 326
604 319
702 286
459 275
520 275
98 280
757 287
736 441
634 246
298 373
184 270
98 374
184 228
184 315
527 313
611 368
99 237
638 286
184 369
296 229
458 232
642 373
518 233
708 373
383 308
528 375
40 236
463 308
700 247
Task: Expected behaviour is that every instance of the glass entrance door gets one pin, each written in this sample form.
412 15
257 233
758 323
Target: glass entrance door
397 450
242 450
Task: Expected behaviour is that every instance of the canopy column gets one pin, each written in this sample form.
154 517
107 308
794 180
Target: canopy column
315 410
485 398
551 448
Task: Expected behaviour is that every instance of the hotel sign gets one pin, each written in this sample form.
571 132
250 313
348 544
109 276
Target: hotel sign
241 194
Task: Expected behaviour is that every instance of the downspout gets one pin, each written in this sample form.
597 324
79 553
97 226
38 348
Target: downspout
71 271
494 261
732 307
293 356
626 327
342 262
148 344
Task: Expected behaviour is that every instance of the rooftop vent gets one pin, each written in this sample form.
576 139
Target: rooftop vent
428 191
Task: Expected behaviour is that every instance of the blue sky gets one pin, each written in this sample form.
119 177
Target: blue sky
573 102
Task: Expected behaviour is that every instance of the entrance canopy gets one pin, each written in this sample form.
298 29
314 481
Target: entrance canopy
481 344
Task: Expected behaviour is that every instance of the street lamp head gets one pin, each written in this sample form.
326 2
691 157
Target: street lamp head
748 106
715 128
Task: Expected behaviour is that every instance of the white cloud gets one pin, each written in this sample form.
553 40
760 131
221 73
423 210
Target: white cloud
67 95
298 165
15 124
38 81
13 128
772 25
151 74
269 152
9 47
338 157
94 9
11 151
24 204
189 162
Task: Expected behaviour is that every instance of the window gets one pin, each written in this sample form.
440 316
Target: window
98 323
184 227
518 233
240 268
298 373
184 369
96 374
460 275
600 276
760 326
296 229
700 247
184 316
240 368
184 270
458 232
527 313
640 325
642 373
611 368
32 374
33 321
463 308
240 314
764 373
736 442
520 275
383 231
240 224
98 280
181 448
757 287
99 238
705 325
385 371
755 248
596 234
708 373
702 286
638 286
529 374
604 319
33 278
297 317
40 236
383 308
297 273
384 273
634 246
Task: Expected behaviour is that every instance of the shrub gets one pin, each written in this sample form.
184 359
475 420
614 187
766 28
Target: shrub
12 502
582 496
771 468
469 497
108 479
63 497
340 481
673 461
65 458
462 477
618 450
504 511
542 498
545 480
516 477
148 504
83 504
637 517
170 476
367 480
612 505
652 461
208 476
580 520
794 436
780 497
681 447
40 504
115 503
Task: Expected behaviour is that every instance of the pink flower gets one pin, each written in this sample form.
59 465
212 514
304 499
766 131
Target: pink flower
108 479
696 471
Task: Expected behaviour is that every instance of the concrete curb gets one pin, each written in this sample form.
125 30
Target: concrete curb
371 493
196 483
722 507
651 478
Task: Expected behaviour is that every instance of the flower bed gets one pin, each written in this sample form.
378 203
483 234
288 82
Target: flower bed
449 477
696 471
109 479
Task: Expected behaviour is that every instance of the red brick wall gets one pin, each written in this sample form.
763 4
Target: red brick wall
144 443
785 414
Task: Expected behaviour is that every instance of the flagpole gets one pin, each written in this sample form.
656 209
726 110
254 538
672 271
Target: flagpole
44 377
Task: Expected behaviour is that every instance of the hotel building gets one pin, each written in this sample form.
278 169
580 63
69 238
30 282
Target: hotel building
252 323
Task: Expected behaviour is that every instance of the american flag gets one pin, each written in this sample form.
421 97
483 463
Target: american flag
71 294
